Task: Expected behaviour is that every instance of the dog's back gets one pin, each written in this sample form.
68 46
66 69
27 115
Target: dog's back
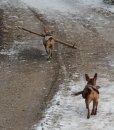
49 43
93 95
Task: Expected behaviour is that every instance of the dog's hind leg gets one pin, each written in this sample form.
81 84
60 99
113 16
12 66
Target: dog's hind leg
87 105
88 114
96 104
52 51
47 51
93 110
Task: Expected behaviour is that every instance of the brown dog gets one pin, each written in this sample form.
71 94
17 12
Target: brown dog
48 42
91 93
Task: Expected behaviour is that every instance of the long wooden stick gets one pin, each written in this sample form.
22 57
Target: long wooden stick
65 43
57 40
31 31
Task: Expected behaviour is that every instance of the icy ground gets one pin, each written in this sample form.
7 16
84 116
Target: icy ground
66 6
67 112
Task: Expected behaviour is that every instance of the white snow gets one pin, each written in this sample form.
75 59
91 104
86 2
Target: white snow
65 6
68 112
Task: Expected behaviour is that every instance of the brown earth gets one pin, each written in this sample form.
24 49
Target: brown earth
27 81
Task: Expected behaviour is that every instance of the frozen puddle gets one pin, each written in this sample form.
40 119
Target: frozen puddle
68 112
19 47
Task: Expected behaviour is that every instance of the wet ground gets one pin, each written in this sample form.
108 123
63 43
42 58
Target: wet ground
26 77
28 81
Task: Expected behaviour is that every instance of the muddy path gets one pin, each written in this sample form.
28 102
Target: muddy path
28 82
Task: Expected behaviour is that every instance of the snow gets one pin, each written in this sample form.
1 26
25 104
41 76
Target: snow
15 3
68 112
19 47
66 6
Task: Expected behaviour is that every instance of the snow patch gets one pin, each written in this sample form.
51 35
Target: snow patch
18 47
68 112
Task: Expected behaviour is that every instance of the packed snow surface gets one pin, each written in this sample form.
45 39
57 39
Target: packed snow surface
69 112
65 6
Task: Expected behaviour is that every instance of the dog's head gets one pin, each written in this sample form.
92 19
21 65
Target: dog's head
48 32
91 81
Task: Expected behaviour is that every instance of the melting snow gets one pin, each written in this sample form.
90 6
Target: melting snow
65 6
18 47
68 112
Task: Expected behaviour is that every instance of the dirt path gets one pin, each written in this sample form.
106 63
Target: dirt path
27 80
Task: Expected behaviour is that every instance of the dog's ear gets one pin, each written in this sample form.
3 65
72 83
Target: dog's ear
95 76
45 30
87 77
52 31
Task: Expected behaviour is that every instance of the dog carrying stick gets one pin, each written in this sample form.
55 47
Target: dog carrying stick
57 40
